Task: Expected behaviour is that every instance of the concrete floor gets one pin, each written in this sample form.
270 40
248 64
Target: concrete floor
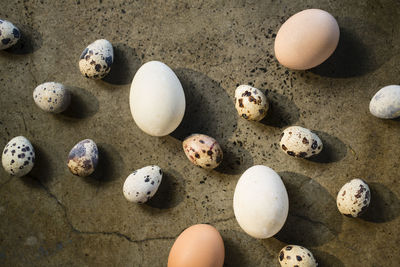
52 218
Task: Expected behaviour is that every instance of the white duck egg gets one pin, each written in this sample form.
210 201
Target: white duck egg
386 102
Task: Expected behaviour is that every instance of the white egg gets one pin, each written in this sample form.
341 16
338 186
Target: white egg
142 184
9 34
157 100
299 256
386 102
353 198
96 60
18 156
52 97
260 202
300 142
251 103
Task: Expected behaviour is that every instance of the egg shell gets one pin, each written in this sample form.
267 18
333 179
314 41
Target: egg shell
200 245
157 100
251 103
9 34
306 39
300 142
18 156
299 256
96 60
260 202
52 97
203 151
386 102
83 158
353 198
142 184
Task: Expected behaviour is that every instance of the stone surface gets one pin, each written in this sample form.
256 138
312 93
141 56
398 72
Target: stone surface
54 218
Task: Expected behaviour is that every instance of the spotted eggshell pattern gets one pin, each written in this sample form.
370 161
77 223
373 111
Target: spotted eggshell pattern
293 255
83 158
203 151
142 184
353 198
386 102
18 156
9 34
300 142
52 97
96 60
251 103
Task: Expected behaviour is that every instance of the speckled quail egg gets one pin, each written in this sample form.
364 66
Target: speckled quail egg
96 60
353 198
83 158
203 151
299 256
18 156
142 184
251 103
52 97
9 34
300 142
386 102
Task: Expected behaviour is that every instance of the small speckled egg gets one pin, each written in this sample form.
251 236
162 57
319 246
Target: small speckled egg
353 198
300 142
386 102
142 184
18 156
293 255
83 158
251 103
203 151
52 97
9 34
96 60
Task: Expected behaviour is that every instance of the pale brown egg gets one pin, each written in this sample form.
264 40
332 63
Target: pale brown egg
307 39
200 245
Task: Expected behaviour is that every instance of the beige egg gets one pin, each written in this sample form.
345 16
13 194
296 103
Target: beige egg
203 151
200 245
251 103
306 39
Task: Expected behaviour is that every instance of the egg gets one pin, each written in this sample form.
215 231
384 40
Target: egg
9 34
306 39
18 156
203 151
157 100
300 142
353 198
200 245
386 102
260 202
299 256
251 103
83 158
52 97
142 184
96 60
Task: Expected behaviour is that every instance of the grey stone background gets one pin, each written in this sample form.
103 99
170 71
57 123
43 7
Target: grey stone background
52 218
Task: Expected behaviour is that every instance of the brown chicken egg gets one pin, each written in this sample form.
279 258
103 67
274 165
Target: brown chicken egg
200 245
306 39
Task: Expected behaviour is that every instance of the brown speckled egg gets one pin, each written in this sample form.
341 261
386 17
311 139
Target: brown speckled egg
96 60
203 151
83 158
353 198
251 103
299 256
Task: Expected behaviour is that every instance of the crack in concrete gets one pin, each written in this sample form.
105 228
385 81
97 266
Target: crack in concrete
6 182
76 230
222 220
314 222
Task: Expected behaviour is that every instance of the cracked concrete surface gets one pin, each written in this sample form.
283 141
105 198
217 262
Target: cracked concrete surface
52 218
